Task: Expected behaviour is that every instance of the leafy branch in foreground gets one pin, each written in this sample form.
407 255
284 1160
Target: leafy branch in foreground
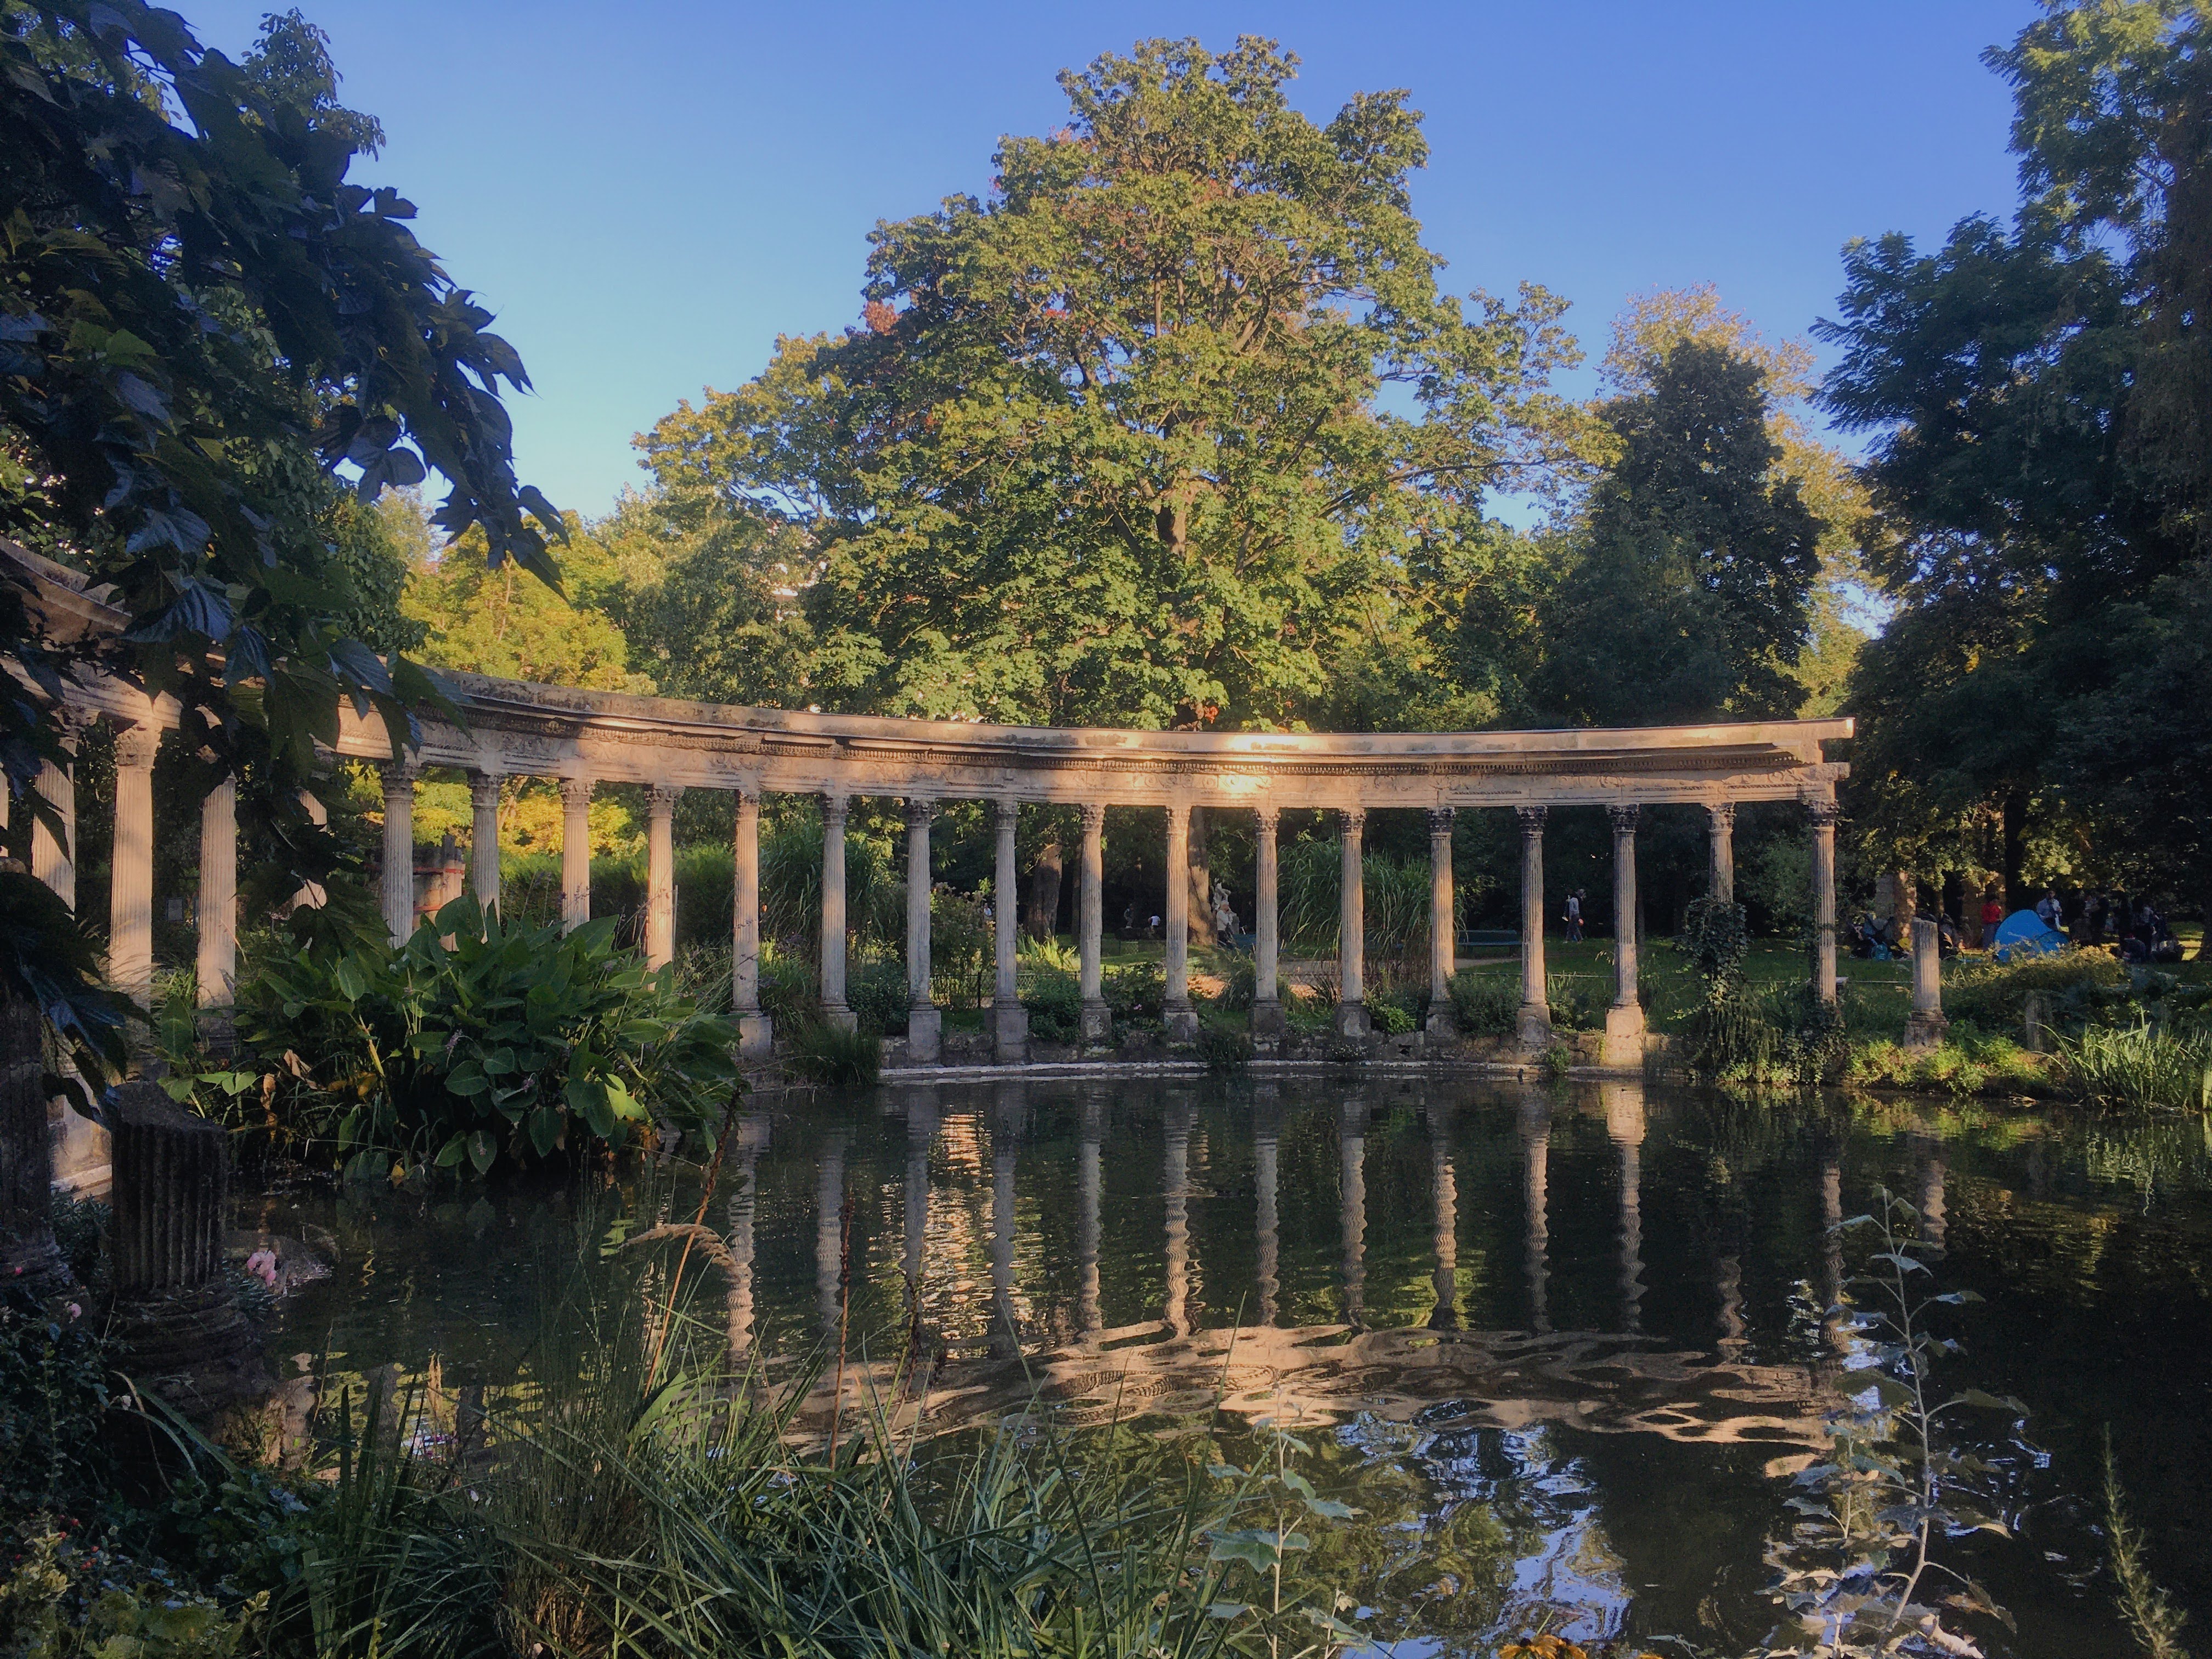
1857 1570
2149 1614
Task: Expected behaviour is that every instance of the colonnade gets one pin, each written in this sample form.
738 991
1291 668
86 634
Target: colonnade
132 901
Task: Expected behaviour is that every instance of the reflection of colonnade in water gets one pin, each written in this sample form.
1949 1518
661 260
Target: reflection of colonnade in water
988 1148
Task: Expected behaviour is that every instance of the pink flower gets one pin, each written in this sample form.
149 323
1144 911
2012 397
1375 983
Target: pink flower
76 1312
263 1265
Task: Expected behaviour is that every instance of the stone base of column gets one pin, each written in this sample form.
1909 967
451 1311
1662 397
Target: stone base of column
1924 1030
1351 1020
1010 1033
191 1347
1532 1025
1097 1022
1624 1036
925 1036
1181 1025
840 1017
1268 1020
756 1036
1442 1022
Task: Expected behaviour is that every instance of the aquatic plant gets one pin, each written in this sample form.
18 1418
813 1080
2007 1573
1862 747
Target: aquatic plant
1858 1572
2143 1066
2144 1607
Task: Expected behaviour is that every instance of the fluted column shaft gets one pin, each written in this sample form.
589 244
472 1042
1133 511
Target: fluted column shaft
54 862
1005 918
755 1038
1533 1023
1624 1020
660 874
1177 939
399 778
1823 815
1352 926
1090 921
576 853
483 838
1720 828
217 960
1443 935
131 889
834 809
924 1024
1266 926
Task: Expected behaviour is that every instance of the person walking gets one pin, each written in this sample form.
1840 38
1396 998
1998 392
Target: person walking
1575 917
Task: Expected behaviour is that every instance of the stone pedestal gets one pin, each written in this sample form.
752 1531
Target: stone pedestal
1268 1020
925 1036
756 1036
1351 1020
1532 1025
28 1254
1181 1025
175 1327
1010 1033
1098 1021
1624 1036
1442 1022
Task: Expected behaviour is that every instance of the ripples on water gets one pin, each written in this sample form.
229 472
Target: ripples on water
1561 1346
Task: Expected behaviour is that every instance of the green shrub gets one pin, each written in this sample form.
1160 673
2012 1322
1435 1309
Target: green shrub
877 996
1573 1008
1994 994
510 1042
1483 1005
826 1053
2146 1066
788 993
1054 1005
1390 1017
1238 983
1135 990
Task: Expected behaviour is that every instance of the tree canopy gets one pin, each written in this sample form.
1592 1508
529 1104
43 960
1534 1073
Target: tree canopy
1139 437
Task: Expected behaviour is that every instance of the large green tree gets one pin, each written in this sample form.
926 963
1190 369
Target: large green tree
1144 436
2038 397
201 321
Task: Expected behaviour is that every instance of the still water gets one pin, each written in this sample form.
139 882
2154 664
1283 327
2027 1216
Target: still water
1561 1347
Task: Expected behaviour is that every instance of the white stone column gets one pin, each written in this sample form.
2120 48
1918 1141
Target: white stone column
1267 928
1823 815
576 853
483 838
1925 1025
1352 927
1720 827
130 888
1267 1153
1009 1024
1623 1021
1532 1023
399 884
217 960
1177 1016
660 873
1443 930
1090 922
925 1026
54 862
1089 1189
834 809
755 1034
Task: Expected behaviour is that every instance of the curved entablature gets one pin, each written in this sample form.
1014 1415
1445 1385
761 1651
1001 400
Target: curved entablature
513 727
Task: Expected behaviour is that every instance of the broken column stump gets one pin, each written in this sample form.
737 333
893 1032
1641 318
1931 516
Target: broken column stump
175 1327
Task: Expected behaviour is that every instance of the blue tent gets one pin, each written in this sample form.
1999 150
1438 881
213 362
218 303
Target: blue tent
2024 932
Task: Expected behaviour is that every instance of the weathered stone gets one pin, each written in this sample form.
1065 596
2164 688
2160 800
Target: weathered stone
27 1250
175 1326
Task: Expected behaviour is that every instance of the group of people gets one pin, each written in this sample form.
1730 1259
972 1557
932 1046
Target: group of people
2137 927
1880 939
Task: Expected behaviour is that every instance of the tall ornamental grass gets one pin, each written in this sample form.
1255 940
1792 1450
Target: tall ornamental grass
2143 1066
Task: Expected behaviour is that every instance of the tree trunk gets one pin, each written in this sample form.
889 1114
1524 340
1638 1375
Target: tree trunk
2015 849
1040 916
1201 883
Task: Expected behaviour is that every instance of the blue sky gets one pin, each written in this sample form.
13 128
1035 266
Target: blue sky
649 193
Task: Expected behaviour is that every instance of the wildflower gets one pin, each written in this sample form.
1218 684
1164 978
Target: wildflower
76 1312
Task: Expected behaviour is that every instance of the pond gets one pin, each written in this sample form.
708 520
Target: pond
1561 1347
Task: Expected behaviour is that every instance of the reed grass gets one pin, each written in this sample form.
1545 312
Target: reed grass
2144 1065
